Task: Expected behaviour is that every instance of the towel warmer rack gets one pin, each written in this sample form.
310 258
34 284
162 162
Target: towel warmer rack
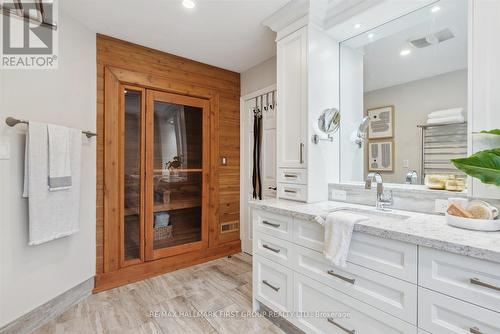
11 121
440 144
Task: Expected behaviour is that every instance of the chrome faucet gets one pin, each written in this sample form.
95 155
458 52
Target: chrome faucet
411 177
384 200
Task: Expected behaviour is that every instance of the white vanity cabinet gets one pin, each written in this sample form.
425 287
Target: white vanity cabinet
388 286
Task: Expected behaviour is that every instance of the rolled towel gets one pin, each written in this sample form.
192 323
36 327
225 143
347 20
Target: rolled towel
338 233
446 113
443 120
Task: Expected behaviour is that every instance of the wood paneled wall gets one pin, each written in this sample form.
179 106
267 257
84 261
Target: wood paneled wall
121 54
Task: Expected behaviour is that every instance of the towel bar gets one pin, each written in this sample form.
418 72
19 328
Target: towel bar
11 121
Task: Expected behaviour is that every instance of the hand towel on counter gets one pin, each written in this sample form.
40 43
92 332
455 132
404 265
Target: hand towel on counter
338 233
52 214
59 157
444 120
446 113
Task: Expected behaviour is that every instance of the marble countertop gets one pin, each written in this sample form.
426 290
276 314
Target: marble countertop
416 228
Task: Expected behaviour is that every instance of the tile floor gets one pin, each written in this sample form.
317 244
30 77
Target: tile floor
223 285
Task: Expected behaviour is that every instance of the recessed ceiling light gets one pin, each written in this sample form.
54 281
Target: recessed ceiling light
370 36
188 3
357 26
435 9
405 52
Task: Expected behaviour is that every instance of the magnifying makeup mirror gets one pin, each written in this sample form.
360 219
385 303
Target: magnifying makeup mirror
328 123
360 136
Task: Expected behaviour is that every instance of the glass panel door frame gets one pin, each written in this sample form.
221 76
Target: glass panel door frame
151 97
121 125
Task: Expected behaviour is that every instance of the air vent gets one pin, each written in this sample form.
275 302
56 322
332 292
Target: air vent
432 39
229 227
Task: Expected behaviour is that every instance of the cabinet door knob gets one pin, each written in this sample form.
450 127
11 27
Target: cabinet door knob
475 330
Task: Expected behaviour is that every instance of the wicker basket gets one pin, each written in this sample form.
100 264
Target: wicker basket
163 232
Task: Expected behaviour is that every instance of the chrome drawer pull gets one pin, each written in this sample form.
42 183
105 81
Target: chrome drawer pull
475 330
271 249
272 188
271 286
290 191
291 176
330 320
477 281
270 224
348 280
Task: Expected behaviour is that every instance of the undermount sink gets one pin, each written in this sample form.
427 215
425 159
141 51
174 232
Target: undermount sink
375 214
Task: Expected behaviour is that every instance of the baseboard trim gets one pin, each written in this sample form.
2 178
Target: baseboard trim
283 324
51 309
150 269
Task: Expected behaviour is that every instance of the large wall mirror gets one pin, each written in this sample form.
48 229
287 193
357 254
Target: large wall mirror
403 98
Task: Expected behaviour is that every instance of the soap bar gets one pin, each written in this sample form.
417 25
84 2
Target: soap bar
455 185
437 182
455 210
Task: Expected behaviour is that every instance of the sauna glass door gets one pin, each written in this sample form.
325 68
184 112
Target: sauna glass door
176 169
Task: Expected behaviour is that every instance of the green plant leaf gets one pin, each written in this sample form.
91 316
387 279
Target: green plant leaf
483 165
492 132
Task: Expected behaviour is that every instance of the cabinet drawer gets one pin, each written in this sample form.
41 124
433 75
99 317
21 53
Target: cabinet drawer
312 296
277 250
298 176
441 314
473 280
387 256
272 284
308 233
296 192
390 257
272 224
386 293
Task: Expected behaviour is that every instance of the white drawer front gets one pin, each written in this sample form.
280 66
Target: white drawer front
387 293
274 249
272 284
298 176
441 314
273 224
387 256
296 192
308 234
473 280
312 296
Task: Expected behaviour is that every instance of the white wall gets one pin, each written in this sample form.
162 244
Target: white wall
258 77
323 93
412 102
33 275
351 106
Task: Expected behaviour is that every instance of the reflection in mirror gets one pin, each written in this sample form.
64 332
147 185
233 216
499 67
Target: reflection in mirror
407 80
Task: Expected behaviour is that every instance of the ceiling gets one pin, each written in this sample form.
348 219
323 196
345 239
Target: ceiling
385 67
223 33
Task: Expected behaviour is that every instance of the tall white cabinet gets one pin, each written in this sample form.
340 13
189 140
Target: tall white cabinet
307 60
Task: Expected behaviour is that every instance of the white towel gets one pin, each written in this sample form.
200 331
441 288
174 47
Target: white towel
52 214
446 113
443 120
338 233
59 157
